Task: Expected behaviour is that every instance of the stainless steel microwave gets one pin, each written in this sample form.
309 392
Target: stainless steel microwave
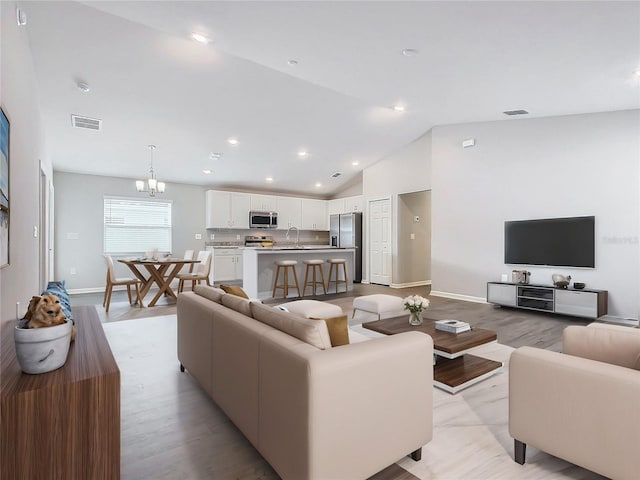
263 219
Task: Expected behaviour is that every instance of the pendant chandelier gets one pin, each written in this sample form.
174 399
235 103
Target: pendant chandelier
151 185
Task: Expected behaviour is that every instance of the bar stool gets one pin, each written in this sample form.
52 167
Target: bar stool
336 262
285 265
314 265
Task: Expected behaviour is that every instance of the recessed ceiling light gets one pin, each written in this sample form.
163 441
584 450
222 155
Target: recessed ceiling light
199 37
398 108
292 62
637 72
233 141
355 163
215 156
268 179
207 171
410 52
303 153
318 184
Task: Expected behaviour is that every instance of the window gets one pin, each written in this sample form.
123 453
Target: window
133 226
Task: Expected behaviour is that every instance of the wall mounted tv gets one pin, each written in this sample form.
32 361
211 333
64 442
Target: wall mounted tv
561 242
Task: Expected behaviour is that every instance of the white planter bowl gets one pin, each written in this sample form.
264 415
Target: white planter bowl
41 350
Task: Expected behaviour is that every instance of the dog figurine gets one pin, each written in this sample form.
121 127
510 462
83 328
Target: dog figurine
46 311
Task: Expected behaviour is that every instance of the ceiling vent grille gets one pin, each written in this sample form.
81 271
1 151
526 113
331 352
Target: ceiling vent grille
336 175
516 112
79 121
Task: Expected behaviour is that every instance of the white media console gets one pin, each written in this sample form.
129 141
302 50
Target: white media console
545 298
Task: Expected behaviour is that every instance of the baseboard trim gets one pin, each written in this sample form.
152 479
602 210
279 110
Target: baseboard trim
457 296
411 284
619 320
77 291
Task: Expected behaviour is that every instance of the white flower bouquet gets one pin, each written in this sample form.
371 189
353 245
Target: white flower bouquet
415 303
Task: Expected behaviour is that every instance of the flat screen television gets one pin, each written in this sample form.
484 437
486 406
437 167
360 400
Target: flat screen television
561 242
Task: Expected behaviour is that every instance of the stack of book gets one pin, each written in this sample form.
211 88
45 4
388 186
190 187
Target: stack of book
452 326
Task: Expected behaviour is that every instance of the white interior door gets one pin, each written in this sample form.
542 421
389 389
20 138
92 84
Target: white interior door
380 241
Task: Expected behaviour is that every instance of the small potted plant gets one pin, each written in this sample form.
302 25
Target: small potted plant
415 304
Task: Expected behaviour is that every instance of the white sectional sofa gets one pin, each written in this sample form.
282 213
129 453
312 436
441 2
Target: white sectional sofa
314 412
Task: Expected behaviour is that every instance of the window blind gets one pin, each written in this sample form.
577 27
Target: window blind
133 226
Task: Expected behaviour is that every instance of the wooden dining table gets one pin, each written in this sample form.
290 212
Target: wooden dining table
159 272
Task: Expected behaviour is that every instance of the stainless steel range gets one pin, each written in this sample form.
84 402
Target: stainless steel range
258 241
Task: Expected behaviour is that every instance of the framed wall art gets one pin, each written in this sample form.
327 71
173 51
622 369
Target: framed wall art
4 189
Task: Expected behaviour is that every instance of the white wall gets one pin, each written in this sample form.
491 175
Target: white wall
407 170
19 281
537 168
79 206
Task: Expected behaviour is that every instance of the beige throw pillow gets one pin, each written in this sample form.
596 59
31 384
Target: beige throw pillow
338 329
235 290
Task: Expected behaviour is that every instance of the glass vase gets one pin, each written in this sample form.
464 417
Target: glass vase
415 318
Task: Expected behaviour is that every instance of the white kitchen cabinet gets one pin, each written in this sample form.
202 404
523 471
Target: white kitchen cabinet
264 203
289 212
314 214
227 209
335 206
226 265
354 204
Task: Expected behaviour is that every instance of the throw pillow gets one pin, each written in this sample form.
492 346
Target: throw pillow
338 329
234 290
58 289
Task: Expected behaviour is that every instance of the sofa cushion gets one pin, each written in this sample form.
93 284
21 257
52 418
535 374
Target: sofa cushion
235 290
338 329
236 303
212 293
309 331
614 346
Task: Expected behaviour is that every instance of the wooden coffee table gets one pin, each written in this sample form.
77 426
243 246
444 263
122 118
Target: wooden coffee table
454 369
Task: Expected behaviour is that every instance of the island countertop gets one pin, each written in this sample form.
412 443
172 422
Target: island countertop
259 267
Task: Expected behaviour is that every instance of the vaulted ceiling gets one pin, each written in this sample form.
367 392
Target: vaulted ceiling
320 77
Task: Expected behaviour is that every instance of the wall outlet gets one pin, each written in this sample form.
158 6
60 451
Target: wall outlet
412 236
212 236
237 237
72 271
317 237
198 236
35 232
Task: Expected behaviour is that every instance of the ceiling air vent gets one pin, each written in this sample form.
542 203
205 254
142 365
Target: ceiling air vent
516 112
336 175
86 122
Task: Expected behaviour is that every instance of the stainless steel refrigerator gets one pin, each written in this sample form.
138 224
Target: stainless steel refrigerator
346 232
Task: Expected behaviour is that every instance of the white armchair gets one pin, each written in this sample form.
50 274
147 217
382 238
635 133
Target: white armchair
582 405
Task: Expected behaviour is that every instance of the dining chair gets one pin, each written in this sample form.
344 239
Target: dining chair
112 281
188 255
201 273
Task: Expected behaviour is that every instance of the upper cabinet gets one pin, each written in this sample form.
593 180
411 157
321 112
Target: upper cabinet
289 212
346 205
314 214
265 203
227 209
354 204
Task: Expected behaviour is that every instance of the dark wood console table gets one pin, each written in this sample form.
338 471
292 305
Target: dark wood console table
63 424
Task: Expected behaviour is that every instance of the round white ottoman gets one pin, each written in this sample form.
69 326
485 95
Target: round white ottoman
312 309
380 305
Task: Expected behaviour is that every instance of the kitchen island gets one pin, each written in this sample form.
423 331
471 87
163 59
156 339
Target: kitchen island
259 267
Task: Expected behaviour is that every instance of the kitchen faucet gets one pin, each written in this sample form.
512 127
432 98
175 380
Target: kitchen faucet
297 234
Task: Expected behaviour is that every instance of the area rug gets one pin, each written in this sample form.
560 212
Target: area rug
171 428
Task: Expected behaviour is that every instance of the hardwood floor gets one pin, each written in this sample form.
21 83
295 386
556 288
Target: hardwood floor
172 429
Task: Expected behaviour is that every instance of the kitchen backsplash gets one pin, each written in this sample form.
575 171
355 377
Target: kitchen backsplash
236 236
